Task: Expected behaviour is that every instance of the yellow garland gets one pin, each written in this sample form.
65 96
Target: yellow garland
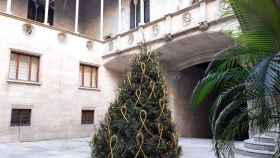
140 143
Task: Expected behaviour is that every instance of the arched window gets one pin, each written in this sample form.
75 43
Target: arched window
135 12
36 10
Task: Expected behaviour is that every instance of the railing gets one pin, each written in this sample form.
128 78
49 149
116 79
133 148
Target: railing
195 16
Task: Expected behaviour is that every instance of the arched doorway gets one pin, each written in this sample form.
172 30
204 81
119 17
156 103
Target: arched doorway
191 121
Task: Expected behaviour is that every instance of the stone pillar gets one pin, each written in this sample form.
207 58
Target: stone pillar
46 11
77 16
203 13
120 17
9 7
102 20
142 12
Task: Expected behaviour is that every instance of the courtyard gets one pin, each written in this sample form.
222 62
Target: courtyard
79 148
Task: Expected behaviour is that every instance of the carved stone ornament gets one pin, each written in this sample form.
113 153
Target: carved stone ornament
130 39
89 45
187 18
169 37
27 28
61 36
156 30
203 26
225 5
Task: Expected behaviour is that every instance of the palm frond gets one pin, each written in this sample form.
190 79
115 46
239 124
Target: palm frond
260 23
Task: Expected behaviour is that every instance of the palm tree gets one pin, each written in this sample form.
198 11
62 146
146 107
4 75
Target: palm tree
245 75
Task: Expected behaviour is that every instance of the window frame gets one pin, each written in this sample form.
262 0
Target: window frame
14 122
81 78
30 58
31 12
84 121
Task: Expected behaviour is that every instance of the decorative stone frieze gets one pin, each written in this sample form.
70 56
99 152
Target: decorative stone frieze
61 36
203 26
156 30
89 44
187 18
130 39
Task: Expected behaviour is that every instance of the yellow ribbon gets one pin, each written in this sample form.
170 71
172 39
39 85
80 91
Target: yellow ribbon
162 107
175 138
152 85
111 147
124 112
138 95
143 70
158 70
160 129
140 143
129 78
143 119
149 56
109 125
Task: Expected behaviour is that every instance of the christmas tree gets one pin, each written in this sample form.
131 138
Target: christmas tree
138 123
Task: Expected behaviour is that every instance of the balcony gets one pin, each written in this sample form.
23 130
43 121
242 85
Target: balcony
202 16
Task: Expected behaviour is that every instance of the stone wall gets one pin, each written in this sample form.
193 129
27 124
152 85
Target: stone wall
57 101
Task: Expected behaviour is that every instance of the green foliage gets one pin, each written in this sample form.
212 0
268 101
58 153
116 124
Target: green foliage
246 75
138 123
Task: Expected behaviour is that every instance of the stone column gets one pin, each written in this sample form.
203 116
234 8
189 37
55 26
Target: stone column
120 17
9 7
142 12
46 11
77 16
102 20
203 14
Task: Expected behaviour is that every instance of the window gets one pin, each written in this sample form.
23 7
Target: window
88 76
36 10
135 13
21 117
24 67
87 116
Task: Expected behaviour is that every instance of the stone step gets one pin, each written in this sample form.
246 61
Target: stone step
255 145
264 139
242 150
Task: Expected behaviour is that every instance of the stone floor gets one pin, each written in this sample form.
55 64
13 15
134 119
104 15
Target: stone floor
79 148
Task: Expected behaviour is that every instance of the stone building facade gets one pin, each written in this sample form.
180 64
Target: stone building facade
62 60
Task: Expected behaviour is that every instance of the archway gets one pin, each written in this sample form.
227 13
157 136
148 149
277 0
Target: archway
191 121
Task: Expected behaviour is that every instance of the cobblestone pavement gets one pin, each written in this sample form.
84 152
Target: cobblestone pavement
79 148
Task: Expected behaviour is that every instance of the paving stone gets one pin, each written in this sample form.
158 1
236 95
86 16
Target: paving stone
79 148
